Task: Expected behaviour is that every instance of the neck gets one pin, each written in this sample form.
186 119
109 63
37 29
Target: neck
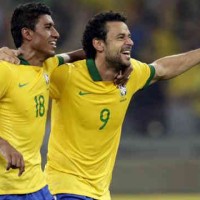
32 57
107 72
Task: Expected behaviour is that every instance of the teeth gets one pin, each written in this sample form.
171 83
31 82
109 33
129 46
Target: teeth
126 52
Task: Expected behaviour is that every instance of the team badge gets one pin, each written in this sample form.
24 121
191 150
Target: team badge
46 77
122 90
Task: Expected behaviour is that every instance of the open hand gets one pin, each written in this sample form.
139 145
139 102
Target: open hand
122 78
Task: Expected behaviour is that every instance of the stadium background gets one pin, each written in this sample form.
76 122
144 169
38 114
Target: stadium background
160 147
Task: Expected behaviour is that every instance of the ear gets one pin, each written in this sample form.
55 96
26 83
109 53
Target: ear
27 33
98 44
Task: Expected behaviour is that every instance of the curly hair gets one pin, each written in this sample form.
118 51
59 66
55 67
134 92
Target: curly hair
26 16
96 28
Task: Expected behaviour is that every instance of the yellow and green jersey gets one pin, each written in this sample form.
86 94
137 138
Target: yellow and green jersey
87 117
24 96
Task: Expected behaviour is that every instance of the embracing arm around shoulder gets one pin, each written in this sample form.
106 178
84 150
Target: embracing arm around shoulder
10 55
73 56
171 66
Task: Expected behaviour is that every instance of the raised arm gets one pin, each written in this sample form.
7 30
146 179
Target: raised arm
171 66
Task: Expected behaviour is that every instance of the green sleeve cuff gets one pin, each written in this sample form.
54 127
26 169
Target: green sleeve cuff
60 60
152 74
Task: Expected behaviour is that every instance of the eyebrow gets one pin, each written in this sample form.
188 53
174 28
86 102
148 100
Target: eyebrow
49 24
123 34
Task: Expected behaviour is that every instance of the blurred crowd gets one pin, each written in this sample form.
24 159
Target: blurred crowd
159 28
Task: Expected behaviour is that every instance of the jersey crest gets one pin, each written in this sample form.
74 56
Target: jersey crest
123 90
46 77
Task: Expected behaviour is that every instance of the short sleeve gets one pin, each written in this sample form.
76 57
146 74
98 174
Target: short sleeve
59 80
142 74
51 63
152 74
5 78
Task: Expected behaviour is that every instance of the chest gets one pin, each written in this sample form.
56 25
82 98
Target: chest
98 106
27 94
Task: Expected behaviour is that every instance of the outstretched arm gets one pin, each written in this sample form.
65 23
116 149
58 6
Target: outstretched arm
171 66
13 158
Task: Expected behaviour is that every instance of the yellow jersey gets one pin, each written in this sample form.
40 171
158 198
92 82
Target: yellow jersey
24 96
87 118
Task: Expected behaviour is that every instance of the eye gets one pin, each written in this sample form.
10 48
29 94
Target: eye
48 27
120 37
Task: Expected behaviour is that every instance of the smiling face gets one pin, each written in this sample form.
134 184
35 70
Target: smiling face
44 38
118 45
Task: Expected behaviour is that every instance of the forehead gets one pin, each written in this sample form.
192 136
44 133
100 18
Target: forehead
114 28
45 19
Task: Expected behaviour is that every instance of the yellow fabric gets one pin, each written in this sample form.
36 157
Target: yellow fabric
24 94
87 119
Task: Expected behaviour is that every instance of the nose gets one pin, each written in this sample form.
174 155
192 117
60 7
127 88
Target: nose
129 41
55 33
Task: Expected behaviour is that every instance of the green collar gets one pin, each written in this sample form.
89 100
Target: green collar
93 70
23 61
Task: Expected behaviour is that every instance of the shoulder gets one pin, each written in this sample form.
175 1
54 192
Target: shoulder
73 65
80 62
6 67
7 75
67 70
138 63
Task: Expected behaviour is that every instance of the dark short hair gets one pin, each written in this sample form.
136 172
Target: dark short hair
26 16
96 28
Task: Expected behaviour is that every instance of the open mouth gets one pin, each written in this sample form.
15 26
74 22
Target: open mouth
53 44
127 53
